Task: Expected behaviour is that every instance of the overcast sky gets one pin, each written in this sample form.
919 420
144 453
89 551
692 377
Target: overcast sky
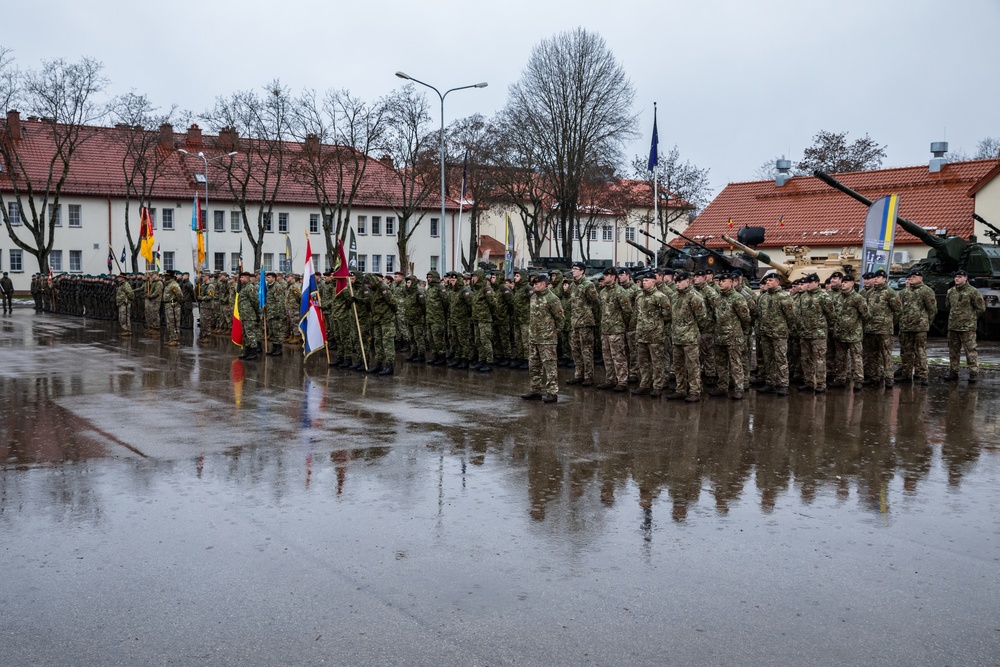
737 81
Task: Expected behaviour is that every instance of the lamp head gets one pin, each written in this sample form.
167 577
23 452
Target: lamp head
403 75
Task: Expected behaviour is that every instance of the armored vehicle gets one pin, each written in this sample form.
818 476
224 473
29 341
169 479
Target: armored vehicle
802 264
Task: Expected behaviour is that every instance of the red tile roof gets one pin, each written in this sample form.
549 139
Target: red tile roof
96 169
817 215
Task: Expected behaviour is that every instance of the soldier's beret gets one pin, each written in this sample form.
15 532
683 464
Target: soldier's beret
627 271
848 278
247 274
813 278
880 273
611 271
397 273
916 272
682 275
709 272
580 265
667 271
769 276
836 274
868 275
542 277
962 272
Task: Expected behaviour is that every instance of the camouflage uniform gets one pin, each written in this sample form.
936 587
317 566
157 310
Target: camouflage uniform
918 309
545 321
652 318
583 299
460 321
502 315
435 314
632 291
520 316
172 297
732 322
706 344
775 306
274 315
7 291
249 306
883 310
415 303
154 299
293 306
207 304
616 311
123 299
814 312
481 308
848 329
689 317
965 305
383 309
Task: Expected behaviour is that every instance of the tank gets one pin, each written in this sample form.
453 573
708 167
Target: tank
666 257
802 264
948 254
715 260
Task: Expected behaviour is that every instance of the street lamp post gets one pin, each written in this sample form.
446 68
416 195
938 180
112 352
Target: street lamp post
441 227
206 160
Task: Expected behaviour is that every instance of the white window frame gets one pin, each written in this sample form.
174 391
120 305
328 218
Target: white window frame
376 226
390 226
362 263
218 221
169 263
14 213
235 221
267 261
55 260
58 210
376 263
76 261
314 223
592 233
607 233
362 225
268 221
167 218
219 261
630 233
390 263
282 223
435 228
15 259
434 263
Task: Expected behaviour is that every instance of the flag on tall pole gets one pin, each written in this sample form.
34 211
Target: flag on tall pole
508 257
311 322
146 239
288 253
653 159
111 258
237 335
197 235
651 167
262 290
123 255
341 269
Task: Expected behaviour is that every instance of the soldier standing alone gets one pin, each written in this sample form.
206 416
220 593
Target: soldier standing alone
544 324
919 307
965 305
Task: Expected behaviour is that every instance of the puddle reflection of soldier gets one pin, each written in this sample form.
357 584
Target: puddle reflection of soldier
807 443
726 462
770 453
913 451
610 437
961 441
683 475
843 418
876 465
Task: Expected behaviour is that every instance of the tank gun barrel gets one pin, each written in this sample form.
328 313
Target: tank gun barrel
976 216
645 251
714 253
648 235
916 230
761 256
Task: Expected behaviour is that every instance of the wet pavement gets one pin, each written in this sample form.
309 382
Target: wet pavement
172 506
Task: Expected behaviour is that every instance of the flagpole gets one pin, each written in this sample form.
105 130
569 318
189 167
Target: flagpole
653 162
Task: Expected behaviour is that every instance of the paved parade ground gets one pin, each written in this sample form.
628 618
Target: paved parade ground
176 506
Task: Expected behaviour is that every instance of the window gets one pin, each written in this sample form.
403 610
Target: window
362 263
267 224
283 223
592 233
235 221
219 261
606 233
376 227
268 263
168 260
362 225
630 233
390 260
57 213
168 218
234 261
376 263
285 263
390 228
14 212
75 261
434 228
556 232
219 221
576 231
55 260
329 262
315 261
314 223
434 263
15 263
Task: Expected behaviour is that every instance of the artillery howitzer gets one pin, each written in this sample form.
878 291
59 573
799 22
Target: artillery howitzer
715 260
667 256
846 261
948 254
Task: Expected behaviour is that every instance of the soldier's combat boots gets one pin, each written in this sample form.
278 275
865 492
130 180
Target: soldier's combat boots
387 370
531 396
275 350
485 368
377 368
462 365
550 398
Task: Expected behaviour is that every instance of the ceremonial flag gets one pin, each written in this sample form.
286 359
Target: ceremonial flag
123 255
352 252
197 234
730 222
653 144
157 255
237 335
111 258
288 254
508 257
262 290
146 239
781 221
880 225
341 269
240 262
311 322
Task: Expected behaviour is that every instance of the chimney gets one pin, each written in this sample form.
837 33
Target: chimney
193 136
14 124
386 160
938 148
228 138
312 145
166 139
783 166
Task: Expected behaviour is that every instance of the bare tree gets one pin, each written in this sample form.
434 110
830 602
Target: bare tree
337 134
413 153
831 153
258 127
682 187
138 130
574 102
988 149
62 94
469 147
